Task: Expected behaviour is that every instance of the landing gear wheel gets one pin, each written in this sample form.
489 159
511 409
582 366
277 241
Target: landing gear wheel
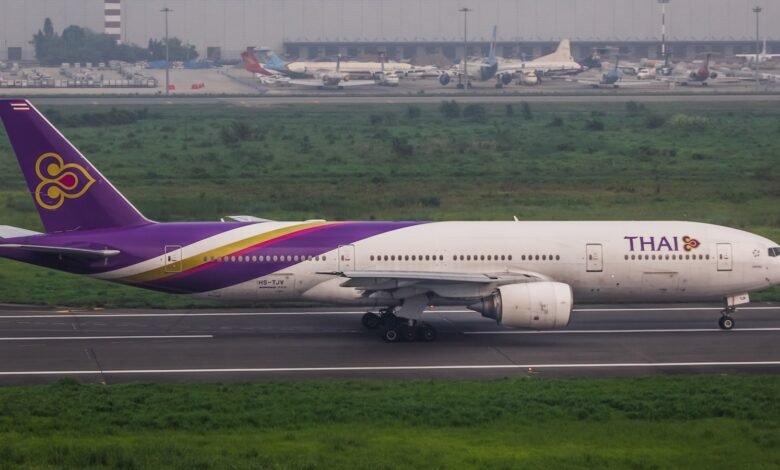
371 320
391 335
389 320
460 86
427 333
726 322
409 333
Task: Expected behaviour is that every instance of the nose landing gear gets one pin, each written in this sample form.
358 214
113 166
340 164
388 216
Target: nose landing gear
726 322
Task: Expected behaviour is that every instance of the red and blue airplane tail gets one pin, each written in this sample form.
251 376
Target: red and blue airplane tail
69 193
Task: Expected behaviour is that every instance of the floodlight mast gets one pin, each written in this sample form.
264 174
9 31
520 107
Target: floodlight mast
757 10
663 4
165 11
465 12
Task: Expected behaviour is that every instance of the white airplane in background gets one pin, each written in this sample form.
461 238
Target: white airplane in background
310 69
762 56
521 274
324 78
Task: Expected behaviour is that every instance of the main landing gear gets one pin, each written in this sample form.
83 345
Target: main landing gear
395 329
726 322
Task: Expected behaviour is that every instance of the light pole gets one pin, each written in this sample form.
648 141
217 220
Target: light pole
167 10
465 12
757 11
663 4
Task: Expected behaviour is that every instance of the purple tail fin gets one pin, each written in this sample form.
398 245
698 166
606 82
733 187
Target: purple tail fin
69 193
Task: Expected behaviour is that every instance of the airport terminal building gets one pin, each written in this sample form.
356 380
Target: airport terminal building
403 28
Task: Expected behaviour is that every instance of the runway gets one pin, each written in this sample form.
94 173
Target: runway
38 346
345 99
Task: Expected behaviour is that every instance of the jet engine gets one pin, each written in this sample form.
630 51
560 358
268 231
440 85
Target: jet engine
506 78
714 75
693 75
444 79
532 305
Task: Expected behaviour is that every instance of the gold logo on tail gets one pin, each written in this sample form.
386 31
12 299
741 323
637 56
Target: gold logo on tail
59 181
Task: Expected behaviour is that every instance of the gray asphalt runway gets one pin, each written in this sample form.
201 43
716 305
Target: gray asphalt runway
336 98
122 346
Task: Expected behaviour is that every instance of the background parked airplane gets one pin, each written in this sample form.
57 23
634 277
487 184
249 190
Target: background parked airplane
310 69
763 56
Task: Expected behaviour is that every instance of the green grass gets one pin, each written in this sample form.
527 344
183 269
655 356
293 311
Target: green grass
703 162
673 422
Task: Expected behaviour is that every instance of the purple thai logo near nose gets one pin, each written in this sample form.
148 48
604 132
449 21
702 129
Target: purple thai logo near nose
59 181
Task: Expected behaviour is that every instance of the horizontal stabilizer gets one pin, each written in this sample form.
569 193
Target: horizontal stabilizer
243 218
6 231
74 252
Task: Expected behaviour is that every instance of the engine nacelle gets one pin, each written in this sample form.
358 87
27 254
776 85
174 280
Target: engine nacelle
714 75
506 78
532 305
444 79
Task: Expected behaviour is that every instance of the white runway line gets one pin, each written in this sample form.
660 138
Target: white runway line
76 338
629 365
341 312
601 332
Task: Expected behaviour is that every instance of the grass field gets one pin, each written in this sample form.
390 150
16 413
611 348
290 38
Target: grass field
709 162
676 422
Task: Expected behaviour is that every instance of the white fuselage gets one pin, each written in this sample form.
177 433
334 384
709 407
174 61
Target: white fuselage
602 261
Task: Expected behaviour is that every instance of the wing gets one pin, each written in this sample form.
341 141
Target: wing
400 284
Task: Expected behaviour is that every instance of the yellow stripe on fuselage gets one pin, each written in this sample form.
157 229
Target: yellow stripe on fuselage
198 259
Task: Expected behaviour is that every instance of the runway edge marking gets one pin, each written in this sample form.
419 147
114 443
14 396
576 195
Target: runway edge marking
394 368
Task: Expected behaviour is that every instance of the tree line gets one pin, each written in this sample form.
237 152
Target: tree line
78 45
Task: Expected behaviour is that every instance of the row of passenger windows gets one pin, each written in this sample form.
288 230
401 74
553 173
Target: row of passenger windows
463 257
667 257
260 259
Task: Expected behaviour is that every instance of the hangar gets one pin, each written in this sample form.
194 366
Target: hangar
312 28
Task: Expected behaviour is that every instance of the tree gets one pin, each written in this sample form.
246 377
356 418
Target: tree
48 28
177 50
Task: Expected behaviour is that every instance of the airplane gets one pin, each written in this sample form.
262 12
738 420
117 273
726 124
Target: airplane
520 274
612 79
762 56
559 63
491 67
700 75
310 69
265 76
323 79
480 69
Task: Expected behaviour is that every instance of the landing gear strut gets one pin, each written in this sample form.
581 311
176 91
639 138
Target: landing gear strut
395 329
726 322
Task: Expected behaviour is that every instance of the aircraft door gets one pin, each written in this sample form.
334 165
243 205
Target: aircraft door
347 258
724 257
172 260
594 258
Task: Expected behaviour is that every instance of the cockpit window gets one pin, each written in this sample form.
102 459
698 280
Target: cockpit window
774 252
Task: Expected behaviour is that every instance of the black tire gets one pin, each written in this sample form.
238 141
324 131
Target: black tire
427 333
389 320
409 333
370 320
391 335
726 323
